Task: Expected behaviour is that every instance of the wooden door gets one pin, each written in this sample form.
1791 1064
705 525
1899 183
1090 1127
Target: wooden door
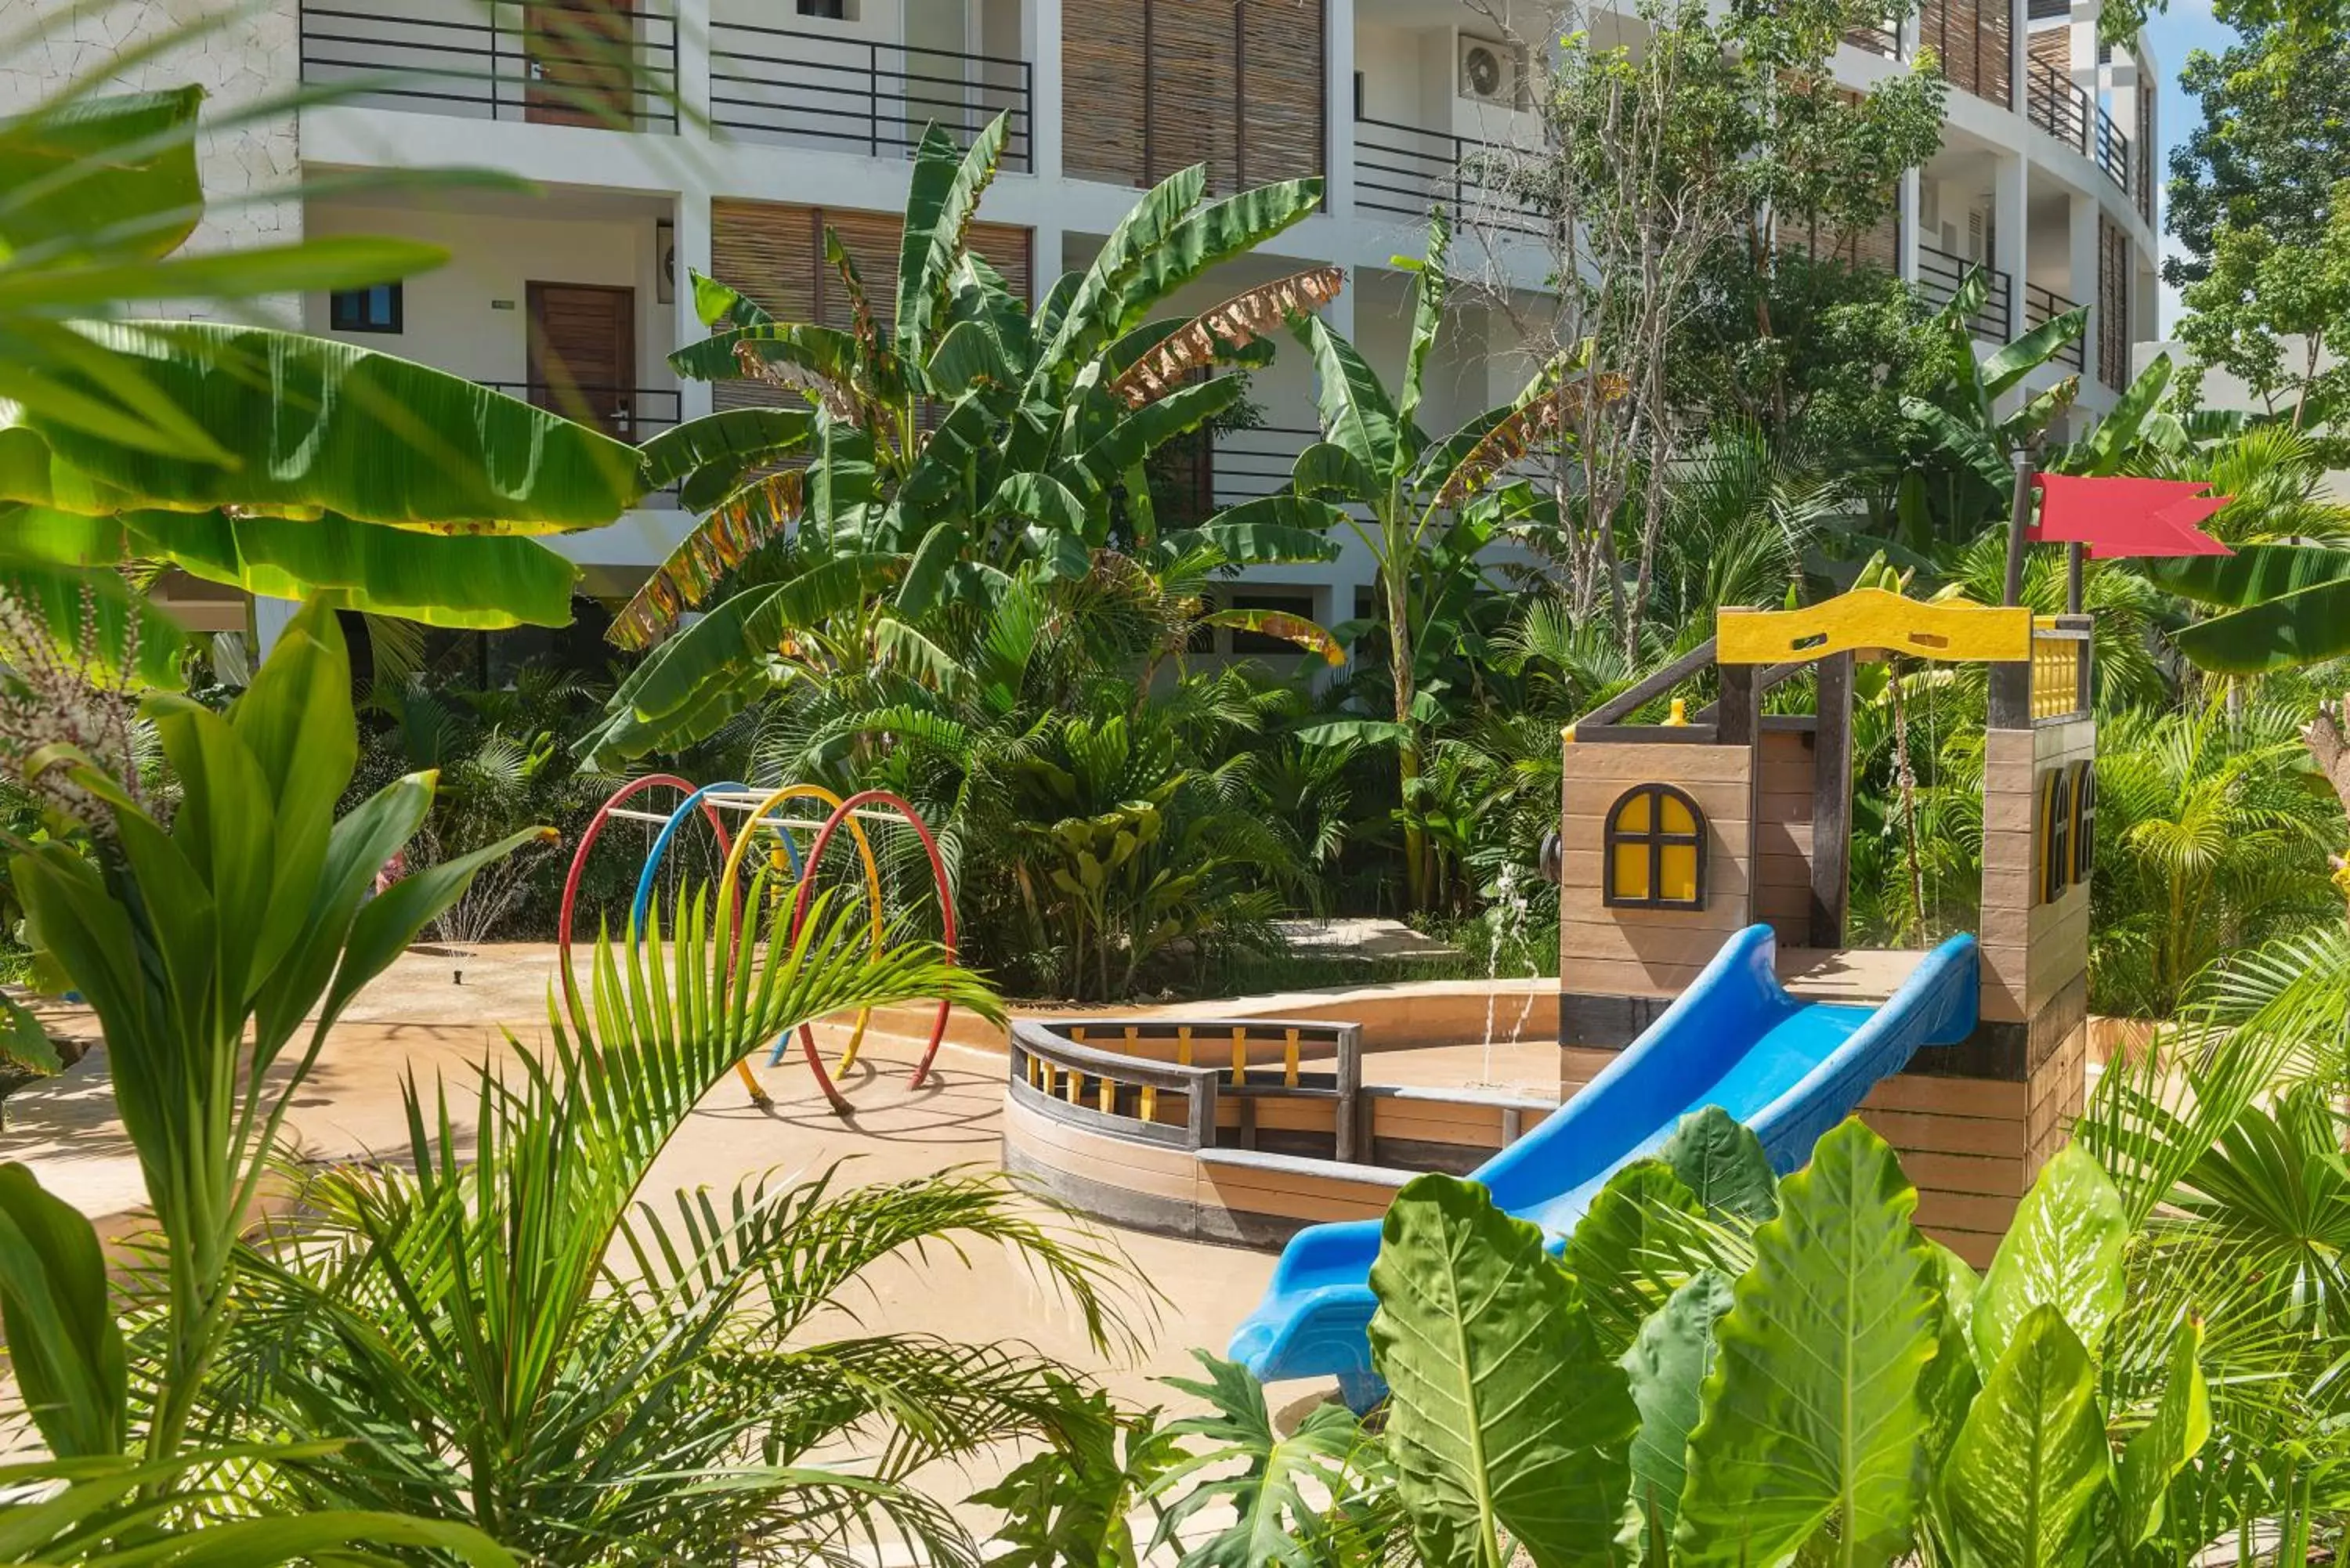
583 354
581 56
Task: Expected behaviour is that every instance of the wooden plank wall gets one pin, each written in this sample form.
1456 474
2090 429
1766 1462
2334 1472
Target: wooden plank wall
1649 953
1782 836
2031 951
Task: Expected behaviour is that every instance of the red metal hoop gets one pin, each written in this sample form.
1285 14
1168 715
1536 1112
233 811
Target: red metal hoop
621 796
946 913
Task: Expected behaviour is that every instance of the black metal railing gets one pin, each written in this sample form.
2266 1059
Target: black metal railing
1404 171
2057 105
2042 306
2064 108
1940 274
550 62
2113 150
821 89
625 414
1883 39
1253 464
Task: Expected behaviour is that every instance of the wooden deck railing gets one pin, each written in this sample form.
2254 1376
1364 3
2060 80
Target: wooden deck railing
1161 1082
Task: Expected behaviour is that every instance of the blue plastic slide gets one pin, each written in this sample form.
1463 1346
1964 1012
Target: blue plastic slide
1788 1069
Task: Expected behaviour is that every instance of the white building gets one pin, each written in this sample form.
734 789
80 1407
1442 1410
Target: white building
754 122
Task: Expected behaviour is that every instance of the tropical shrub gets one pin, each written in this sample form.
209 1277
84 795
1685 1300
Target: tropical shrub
1726 1368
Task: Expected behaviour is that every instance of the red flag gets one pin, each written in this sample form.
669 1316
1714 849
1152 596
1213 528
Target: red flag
2127 516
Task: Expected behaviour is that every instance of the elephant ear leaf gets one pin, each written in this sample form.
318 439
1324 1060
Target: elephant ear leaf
1668 1365
1506 1421
2031 1457
1721 1161
64 1346
1813 1425
2063 1250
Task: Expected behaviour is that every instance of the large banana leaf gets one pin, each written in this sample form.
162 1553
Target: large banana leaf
479 582
309 426
2030 1459
944 196
1428 293
2291 604
2006 366
2063 1250
1506 1421
1812 1420
1355 414
2117 435
1214 233
1093 316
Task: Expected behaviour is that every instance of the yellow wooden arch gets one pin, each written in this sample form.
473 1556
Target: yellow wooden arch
1872 619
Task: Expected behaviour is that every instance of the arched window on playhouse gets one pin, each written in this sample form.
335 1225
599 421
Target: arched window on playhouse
2085 821
1656 850
2056 833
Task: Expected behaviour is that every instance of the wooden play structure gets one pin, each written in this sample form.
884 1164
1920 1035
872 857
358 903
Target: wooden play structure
1230 1129
1675 837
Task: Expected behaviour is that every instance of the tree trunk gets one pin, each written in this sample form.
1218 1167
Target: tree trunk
2329 747
1414 842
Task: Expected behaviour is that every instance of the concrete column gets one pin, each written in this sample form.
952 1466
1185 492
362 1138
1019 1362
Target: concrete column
1338 108
2084 285
270 618
2085 45
2019 55
1040 40
1913 230
692 256
693 68
2010 215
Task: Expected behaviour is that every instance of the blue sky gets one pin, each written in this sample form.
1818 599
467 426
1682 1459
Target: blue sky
2186 26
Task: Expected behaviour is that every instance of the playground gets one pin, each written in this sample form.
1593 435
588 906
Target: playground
1702 898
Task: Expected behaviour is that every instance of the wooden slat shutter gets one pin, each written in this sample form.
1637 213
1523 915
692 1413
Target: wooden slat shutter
1284 109
1153 86
1103 91
2113 303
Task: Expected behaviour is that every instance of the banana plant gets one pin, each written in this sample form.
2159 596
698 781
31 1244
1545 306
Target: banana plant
269 461
1375 474
949 439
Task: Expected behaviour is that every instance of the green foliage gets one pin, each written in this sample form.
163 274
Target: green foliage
1274 1493
1506 1420
2213 835
2258 157
269 461
2272 310
1820 1399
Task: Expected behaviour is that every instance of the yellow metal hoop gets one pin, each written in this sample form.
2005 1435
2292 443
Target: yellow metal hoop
731 875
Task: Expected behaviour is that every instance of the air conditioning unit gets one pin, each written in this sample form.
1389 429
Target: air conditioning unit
1489 71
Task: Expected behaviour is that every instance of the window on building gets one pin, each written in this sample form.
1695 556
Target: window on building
830 10
376 310
1655 850
1246 641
